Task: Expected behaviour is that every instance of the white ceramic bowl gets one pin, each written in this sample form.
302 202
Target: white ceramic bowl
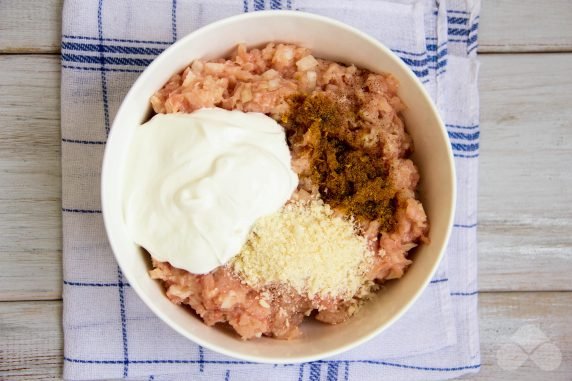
331 40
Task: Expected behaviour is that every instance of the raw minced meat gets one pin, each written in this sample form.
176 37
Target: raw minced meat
266 80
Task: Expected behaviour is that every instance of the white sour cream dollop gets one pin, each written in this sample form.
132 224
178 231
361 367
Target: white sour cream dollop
196 183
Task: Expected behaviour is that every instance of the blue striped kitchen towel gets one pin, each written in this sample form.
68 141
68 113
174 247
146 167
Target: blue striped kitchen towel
109 332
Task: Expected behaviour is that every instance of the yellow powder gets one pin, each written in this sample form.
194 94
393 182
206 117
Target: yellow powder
305 247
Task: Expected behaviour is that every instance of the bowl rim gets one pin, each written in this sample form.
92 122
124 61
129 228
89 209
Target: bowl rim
157 62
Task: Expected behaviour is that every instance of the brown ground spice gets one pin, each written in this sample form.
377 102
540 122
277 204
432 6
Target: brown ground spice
350 178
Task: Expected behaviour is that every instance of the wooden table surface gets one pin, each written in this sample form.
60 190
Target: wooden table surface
525 186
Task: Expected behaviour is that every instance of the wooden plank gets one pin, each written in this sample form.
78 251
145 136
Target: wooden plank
31 26
502 315
30 178
31 336
525 26
31 340
525 203
506 26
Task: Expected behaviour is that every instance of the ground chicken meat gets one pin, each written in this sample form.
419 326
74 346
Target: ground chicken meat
269 80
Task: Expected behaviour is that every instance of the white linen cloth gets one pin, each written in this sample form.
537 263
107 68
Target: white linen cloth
110 333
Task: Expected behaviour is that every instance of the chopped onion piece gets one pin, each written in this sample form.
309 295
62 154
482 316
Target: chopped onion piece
245 94
269 74
307 63
312 78
273 84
